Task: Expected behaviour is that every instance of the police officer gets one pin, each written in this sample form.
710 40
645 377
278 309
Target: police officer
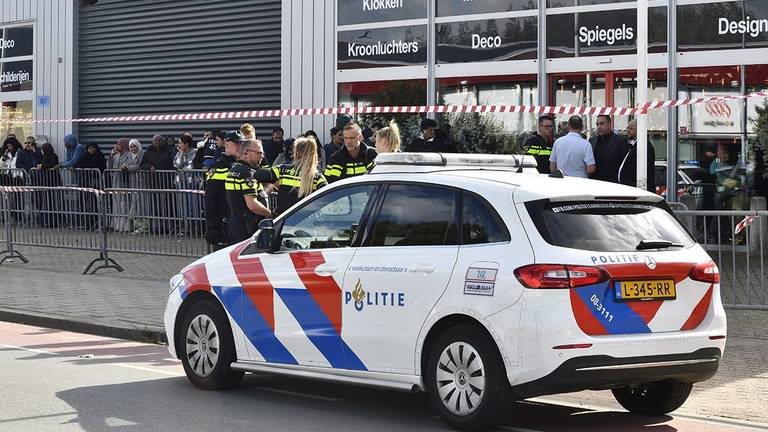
246 203
216 207
540 143
353 159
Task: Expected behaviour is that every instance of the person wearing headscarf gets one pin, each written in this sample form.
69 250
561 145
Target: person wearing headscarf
49 217
94 158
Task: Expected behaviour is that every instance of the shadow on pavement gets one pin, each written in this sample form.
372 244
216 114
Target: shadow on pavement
265 403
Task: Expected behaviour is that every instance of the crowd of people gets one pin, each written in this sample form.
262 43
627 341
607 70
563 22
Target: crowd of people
241 171
606 156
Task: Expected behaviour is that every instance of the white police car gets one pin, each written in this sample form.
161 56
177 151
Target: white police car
459 276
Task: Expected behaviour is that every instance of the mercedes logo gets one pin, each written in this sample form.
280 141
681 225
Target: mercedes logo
650 262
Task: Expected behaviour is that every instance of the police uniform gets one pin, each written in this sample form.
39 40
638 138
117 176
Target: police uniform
541 150
290 182
216 207
342 165
240 183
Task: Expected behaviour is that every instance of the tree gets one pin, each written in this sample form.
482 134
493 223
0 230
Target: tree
758 146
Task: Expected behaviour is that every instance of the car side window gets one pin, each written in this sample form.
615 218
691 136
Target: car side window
413 215
480 223
329 221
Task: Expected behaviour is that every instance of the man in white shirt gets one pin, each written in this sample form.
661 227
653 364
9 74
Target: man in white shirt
572 154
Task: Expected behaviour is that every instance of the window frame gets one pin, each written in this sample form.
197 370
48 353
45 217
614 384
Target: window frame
494 213
356 239
374 215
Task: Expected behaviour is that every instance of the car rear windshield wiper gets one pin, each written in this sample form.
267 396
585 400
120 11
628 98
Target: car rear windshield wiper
657 244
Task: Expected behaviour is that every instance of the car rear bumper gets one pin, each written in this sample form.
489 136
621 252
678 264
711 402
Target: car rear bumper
600 372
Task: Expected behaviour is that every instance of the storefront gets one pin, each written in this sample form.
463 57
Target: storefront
559 52
16 80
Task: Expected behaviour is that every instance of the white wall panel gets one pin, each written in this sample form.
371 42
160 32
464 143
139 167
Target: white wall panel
309 41
53 21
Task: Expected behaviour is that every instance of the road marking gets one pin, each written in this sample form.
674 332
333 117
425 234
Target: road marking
36 351
299 394
129 366
146 369
720 420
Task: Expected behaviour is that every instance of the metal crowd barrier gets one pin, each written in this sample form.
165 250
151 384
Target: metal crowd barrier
741 257
155 222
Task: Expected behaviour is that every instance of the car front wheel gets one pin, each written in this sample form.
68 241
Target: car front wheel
466 379
209 349
656 398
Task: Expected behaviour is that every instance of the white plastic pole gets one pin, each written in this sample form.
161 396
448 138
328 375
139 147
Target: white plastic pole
642 94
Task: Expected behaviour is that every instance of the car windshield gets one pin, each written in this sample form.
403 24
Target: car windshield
606 226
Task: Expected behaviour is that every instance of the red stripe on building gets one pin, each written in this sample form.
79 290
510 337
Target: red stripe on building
699 312
196 279
584 318
323 289
256 285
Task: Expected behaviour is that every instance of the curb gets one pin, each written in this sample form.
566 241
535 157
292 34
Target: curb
147 334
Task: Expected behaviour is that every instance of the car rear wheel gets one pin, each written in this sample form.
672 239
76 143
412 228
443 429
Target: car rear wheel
656 398
466 379
209 349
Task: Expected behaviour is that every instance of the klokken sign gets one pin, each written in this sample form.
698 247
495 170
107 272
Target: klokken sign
368 11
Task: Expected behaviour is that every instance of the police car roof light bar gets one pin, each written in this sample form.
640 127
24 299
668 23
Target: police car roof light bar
456 160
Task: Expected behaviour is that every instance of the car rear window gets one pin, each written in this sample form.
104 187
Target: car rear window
605 226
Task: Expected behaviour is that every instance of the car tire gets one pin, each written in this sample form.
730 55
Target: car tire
207 348
656 398
466 379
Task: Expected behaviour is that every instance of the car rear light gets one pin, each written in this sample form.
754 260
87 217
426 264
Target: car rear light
718 337
706 272
554 276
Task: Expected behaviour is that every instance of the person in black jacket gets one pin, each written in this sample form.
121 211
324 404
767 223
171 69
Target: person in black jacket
628 167
430 140
609 150
354 159
247 203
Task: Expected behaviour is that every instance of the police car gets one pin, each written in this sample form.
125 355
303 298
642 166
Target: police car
465 278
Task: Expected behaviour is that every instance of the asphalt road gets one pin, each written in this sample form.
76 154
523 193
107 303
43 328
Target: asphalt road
55 380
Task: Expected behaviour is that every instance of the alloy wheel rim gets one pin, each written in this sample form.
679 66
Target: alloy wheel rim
460 378
202 345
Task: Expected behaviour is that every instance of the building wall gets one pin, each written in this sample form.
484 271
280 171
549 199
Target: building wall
54 60
308 63
176 56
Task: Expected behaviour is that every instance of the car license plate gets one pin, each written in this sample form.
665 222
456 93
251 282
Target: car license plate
645 290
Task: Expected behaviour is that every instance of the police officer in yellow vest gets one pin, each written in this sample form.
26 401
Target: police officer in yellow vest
540 143
216 207
353 159
247 202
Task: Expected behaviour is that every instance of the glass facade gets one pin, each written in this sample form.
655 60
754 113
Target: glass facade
16 81
488 53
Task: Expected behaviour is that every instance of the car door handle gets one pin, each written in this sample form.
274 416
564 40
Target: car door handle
326 269
426 269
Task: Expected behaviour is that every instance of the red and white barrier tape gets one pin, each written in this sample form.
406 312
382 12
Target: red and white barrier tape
18 189
500 108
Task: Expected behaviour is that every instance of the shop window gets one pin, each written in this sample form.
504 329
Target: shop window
488 132
570 3
15 118
386 93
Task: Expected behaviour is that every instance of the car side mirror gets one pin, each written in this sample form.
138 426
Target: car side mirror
265 239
